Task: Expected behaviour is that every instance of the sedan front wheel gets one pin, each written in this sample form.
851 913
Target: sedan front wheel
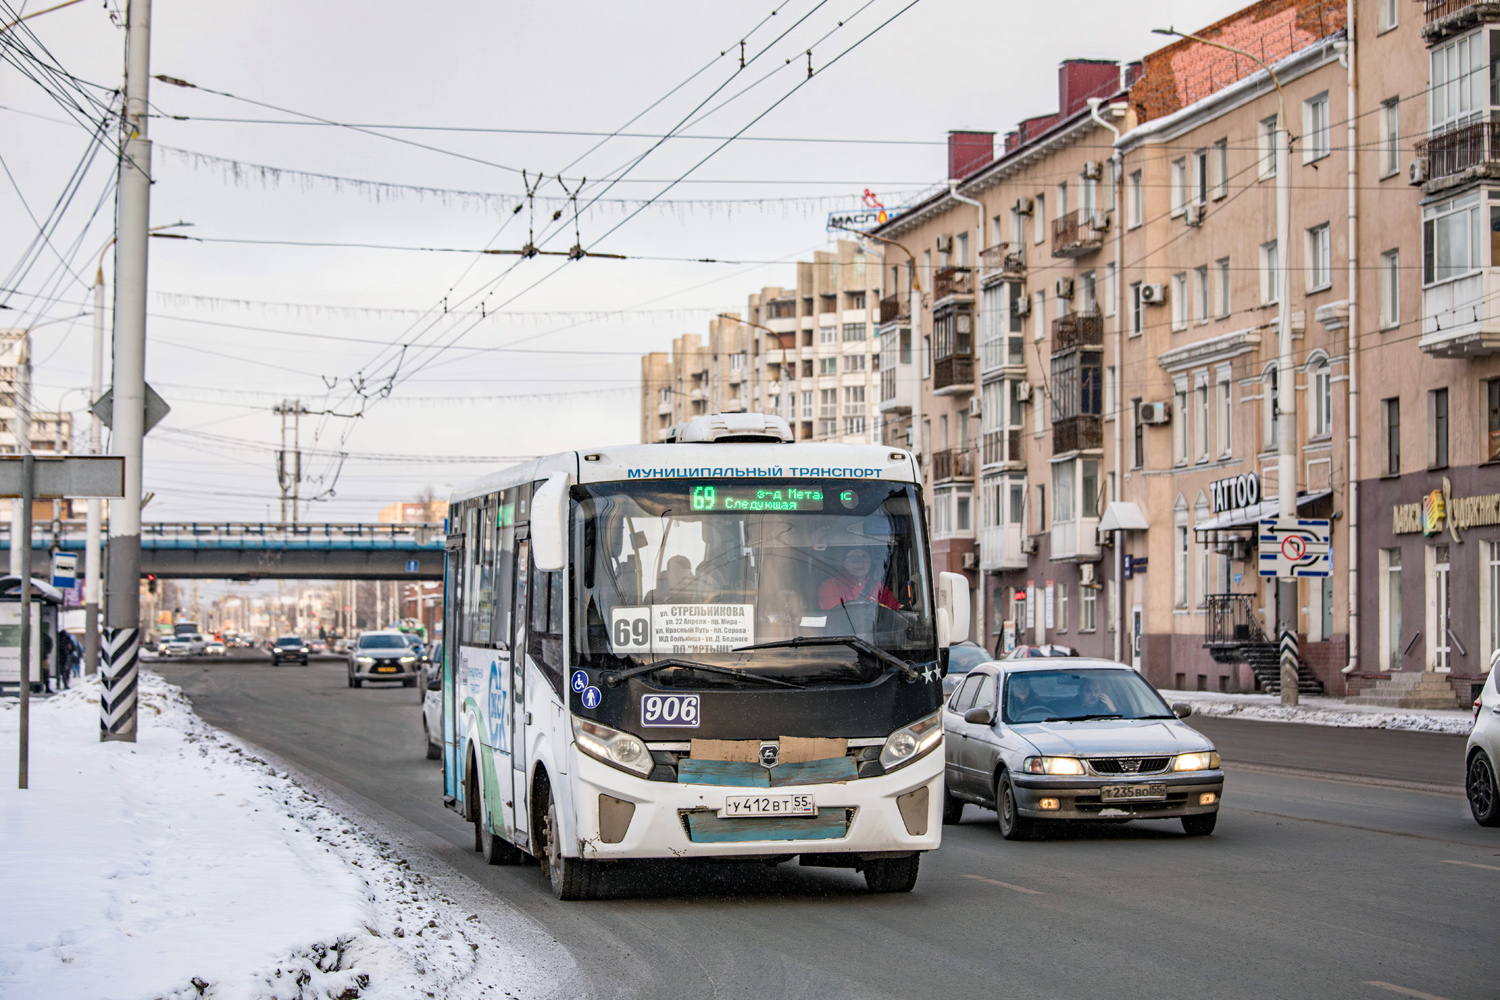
1484 797
1013 826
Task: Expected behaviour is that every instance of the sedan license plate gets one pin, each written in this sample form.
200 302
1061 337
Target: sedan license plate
1135 793
738 806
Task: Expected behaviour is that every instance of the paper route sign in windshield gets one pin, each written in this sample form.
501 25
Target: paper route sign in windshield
681 629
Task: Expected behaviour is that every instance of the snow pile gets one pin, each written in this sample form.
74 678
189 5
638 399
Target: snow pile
1322 711
183 866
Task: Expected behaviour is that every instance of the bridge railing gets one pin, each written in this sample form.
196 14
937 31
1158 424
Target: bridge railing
425 533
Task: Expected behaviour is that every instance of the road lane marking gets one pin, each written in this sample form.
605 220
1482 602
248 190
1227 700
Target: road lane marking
1365 829
1404 991
1472 864
1007 885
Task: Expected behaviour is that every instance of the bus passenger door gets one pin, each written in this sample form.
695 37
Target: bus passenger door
452 779
516 723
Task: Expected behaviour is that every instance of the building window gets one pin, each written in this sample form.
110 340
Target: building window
1319 259
1201 418
1322 400
1180 560
1270 286
1437 419
1315 128
1039 316
1111 287
1450 239
828 335
1062 607
1200 300
1390 137
1390 609
1226 415
1039 219
828 366
1062 492
1489 580
1221 169
854 425
1387 14
854 400
961 244
828 403
1200 177
1179 185
1390 430
1088 608
854 362
855 331
1180 425
1492 390
1270 410
1179 301
1222 266
1138 453
1062 200
807 405
1205 558
1457 93
1135 199
1266 135
854 300
1390 289
1137 319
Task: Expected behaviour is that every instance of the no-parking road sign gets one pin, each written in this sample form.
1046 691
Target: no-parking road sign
1295 547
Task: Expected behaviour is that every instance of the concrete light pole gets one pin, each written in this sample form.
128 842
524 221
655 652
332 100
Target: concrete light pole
1286 395
123 626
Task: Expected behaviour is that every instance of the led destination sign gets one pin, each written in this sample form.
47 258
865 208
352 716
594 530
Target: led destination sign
731 498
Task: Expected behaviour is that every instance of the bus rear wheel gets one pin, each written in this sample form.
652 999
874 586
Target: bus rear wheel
892 874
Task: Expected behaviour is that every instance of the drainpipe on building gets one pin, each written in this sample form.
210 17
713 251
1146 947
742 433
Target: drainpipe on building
1351 419
1118 159
976 616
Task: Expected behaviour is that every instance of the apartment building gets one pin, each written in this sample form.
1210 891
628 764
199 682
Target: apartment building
1018 268
1428 481
807 353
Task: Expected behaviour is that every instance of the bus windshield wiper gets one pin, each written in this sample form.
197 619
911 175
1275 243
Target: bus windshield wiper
614 678
852 641
1082 718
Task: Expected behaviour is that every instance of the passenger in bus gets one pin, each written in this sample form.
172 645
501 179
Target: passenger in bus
857 582
677 582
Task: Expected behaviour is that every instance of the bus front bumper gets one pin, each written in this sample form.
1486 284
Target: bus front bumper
621 816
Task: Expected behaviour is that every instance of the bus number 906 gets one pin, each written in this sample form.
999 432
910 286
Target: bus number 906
674 710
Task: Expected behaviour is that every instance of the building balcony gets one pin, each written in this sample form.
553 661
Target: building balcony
1460 318
664 408
1000 261
895 389
952 376
1076 540
1000 548
1079 233
1465 152
1083 433
953 463
894 308
1002 449
951 281
1077 329
735 405
1446 18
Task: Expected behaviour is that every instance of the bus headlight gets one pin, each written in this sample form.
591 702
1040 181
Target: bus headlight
613 747
906 745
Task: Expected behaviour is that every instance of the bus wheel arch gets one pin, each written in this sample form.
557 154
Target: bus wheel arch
569 878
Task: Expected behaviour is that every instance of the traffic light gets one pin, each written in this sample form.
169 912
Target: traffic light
151 582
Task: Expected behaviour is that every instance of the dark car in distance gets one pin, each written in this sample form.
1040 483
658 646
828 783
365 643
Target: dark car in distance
288 647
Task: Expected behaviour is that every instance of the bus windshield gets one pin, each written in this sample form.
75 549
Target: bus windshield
695 570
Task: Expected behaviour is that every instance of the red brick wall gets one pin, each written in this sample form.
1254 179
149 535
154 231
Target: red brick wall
1187 71
1327 661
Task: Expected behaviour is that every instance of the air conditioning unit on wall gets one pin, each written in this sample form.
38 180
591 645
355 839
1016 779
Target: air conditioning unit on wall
1023 392
1092 170
1194 215
1025 206
1028 544
971 560
1064 288
1023 306
1155 413
1417 172
945 243
976 408
1154 295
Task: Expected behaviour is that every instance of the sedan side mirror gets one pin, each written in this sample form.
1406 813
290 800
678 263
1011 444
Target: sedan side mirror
979 717
1181 709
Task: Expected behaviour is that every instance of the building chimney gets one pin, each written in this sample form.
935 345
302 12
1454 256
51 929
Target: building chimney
968 151
1080 79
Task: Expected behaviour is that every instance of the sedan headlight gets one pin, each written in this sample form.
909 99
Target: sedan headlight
1053 765
364 659
906 745
408 659
623 750
1203 760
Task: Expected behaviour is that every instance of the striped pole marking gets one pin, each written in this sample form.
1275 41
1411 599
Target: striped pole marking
1290 655
119 650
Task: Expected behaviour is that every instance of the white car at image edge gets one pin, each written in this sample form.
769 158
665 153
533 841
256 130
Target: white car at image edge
1483 750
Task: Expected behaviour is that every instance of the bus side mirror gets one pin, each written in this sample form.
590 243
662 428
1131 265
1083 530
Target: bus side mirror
549 524
952 609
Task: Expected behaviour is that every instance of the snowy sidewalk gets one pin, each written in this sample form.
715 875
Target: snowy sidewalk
1318 710
184 866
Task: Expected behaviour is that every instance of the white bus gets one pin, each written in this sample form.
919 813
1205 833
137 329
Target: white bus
724 647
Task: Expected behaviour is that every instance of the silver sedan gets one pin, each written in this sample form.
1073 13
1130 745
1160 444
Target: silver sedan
1082 740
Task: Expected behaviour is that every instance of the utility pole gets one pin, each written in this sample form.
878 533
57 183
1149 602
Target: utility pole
289 475
92 550
123 633
22 386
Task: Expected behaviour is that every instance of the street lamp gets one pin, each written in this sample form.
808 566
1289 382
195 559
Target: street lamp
1286 397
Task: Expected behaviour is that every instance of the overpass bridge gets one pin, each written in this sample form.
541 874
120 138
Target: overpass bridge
251 550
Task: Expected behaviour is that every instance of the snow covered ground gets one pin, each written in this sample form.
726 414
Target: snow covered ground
1323 711
184 866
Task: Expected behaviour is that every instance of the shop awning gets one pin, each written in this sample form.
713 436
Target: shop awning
1122 515
1249 517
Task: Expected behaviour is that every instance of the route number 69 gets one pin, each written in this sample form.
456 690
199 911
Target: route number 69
630 630
674 710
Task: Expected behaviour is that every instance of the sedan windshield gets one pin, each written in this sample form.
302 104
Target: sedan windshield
382 642
1078 695
698 570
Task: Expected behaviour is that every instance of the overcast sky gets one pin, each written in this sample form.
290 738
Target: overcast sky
237 326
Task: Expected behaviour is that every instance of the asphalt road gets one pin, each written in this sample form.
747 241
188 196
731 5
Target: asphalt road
1312 886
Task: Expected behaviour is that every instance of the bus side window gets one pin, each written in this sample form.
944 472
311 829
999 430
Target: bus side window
505 569
543 643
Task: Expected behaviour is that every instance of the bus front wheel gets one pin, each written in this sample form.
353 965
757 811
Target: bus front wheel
892 874
569 878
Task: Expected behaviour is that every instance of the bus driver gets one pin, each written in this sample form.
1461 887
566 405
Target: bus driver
857 582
